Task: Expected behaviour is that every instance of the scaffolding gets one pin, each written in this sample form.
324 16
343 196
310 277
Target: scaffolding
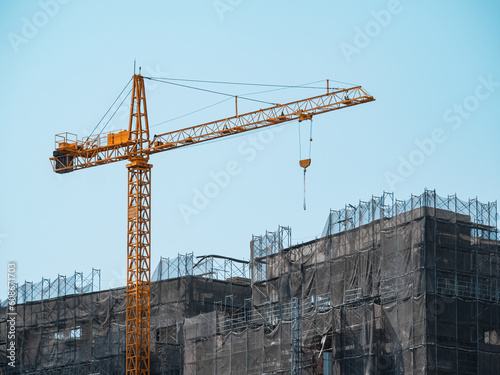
61 286
84 333
211 266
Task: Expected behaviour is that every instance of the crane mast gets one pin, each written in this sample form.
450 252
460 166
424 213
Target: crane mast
138 236
135 145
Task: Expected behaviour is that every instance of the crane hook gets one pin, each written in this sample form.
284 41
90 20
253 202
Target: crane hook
304 164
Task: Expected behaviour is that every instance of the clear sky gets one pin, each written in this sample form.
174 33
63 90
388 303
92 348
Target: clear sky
433 66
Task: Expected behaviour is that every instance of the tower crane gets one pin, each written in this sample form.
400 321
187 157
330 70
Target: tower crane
136 145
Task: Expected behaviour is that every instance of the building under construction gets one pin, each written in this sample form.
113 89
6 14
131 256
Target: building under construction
391 287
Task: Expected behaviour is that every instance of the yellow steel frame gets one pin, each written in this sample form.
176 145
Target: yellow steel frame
138 236
138 267
138 129
73 154
91 151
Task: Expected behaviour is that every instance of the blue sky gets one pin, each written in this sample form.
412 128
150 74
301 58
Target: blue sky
434 68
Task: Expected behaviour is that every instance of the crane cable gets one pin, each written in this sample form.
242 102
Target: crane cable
165 80
210 91
190 113
302 86
109 109
114 113
304 163
225 100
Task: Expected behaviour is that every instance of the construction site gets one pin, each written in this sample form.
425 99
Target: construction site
390 287
232 187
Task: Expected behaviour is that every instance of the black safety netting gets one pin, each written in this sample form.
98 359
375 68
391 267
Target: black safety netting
412 287
85 333
391 287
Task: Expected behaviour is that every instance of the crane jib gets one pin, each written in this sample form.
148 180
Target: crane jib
72 153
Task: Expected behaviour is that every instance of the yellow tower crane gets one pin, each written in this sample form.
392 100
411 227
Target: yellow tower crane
136 145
